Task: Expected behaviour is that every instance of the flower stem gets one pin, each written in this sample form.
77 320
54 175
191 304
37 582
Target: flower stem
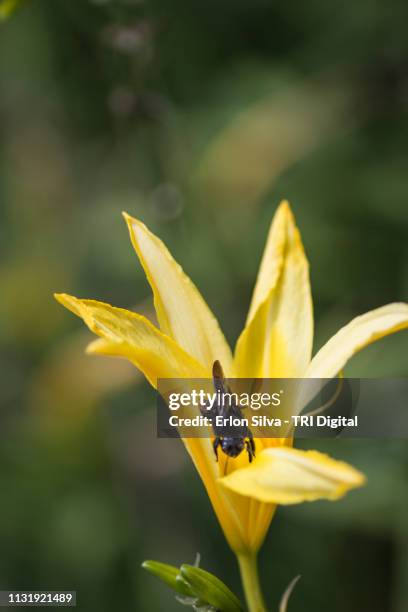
249 574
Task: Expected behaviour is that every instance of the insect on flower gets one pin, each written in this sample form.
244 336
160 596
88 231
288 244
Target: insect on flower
276 342
240 436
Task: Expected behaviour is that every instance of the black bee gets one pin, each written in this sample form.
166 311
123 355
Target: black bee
231 445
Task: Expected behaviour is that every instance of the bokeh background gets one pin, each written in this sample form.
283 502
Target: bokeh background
198 117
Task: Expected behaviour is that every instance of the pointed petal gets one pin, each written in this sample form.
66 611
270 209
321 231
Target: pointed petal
277 340
272 258
360 332
181 311
285 475
127 334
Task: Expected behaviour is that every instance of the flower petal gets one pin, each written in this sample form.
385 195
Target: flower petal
277 339
360 332
285 475
181 310
127 334
272 258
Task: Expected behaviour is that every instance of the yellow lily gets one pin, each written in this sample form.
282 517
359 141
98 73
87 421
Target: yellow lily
276 342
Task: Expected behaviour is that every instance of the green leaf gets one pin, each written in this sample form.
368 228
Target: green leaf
208 588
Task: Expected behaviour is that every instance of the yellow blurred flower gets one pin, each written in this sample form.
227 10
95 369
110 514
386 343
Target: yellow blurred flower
276 342
7 7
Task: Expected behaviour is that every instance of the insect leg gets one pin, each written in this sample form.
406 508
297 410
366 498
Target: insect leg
250 446
251 442
226 466
248 450
216 444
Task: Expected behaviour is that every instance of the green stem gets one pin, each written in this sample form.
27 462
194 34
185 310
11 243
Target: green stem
249 574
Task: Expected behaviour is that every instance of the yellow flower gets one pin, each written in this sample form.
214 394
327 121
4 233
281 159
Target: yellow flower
7 7
276 342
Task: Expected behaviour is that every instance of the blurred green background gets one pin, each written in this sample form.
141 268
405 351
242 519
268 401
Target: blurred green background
198 117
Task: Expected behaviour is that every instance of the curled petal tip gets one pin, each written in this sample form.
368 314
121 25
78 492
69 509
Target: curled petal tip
96 347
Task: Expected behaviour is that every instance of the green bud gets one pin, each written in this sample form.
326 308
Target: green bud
183 587
168 574
163 571
207 587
